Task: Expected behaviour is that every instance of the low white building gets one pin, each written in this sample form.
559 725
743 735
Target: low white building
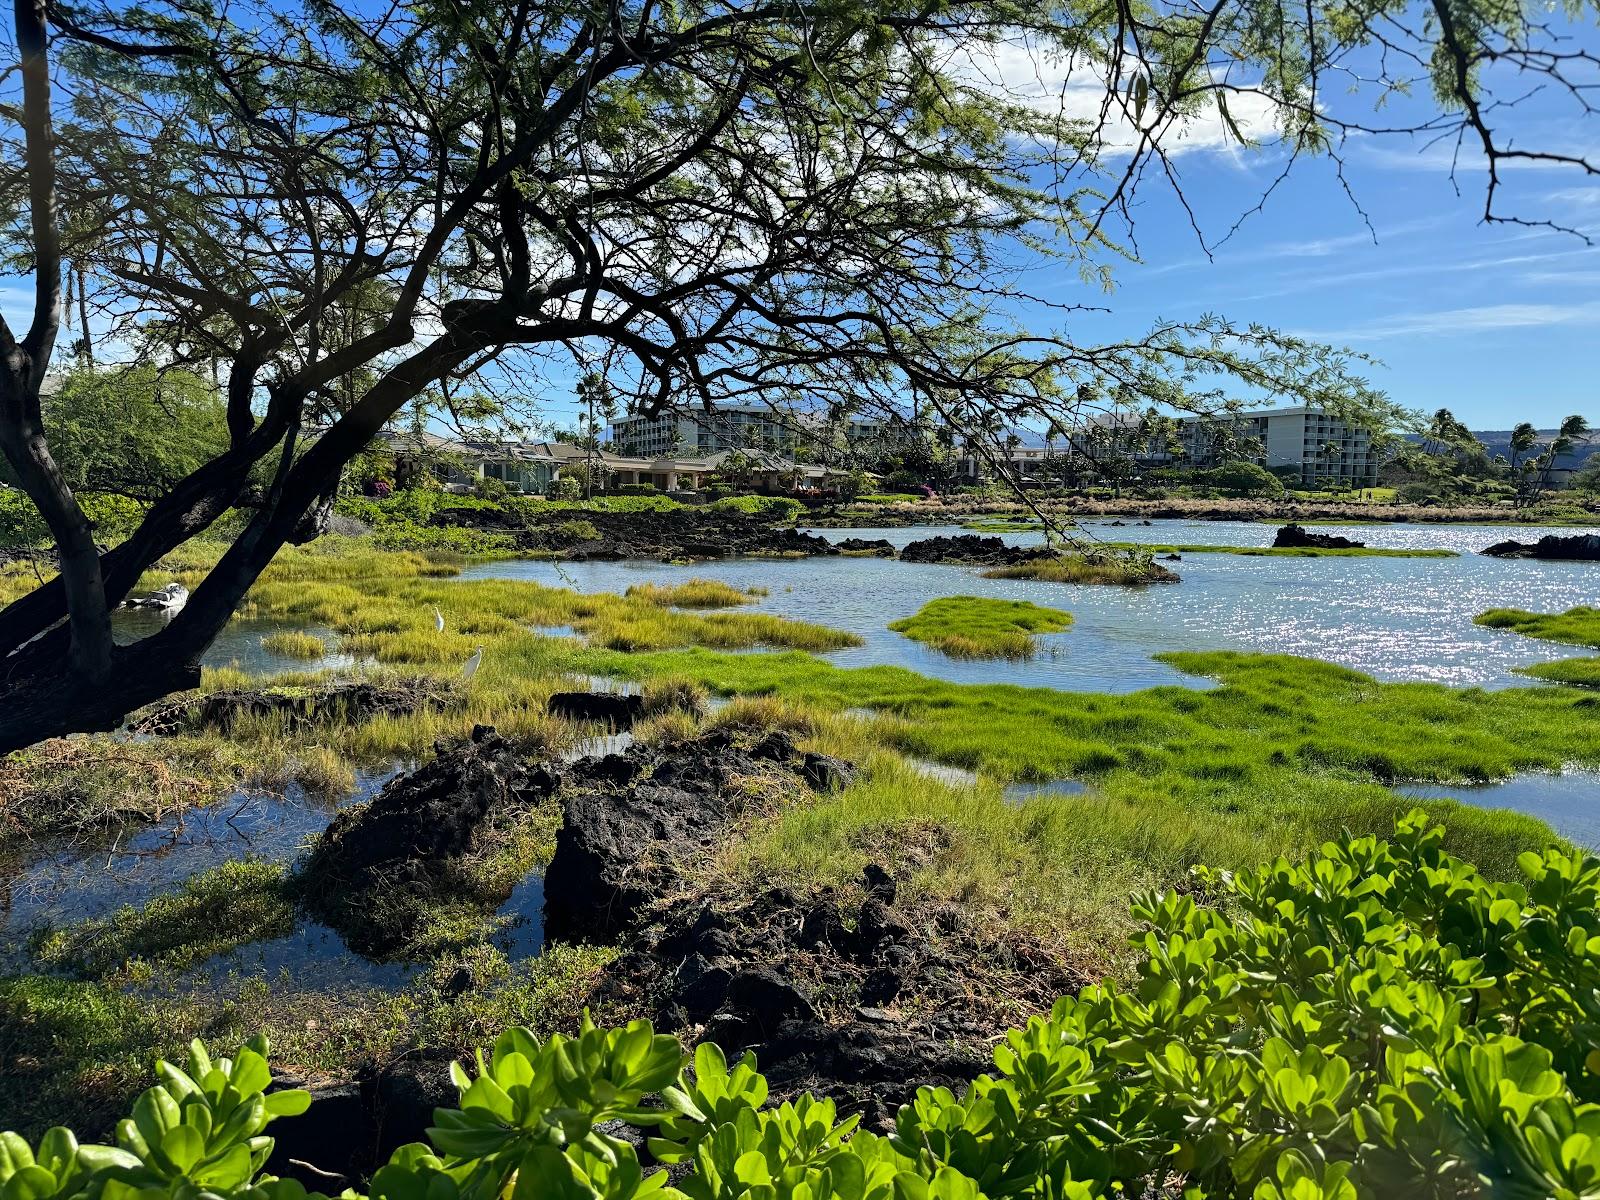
531 467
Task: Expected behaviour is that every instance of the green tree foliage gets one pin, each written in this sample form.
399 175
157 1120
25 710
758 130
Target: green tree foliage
1378 1020
133 431
1245 479
346 207
130 431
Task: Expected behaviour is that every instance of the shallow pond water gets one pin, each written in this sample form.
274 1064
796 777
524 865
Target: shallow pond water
66 882
1394 618
1569 803
239 644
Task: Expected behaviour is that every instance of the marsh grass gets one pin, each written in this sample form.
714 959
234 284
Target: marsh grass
981 627
1086 568
213 911
72 786
1283 753
1576 627
1575 672
692 593
19 577
293 643
380 605
77 1052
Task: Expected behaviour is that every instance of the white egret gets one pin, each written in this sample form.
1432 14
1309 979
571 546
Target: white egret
438 619
471 669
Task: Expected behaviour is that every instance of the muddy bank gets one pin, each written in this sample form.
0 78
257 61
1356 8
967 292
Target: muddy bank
686 534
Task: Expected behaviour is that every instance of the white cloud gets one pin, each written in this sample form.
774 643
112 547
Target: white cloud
1072 89
1453 322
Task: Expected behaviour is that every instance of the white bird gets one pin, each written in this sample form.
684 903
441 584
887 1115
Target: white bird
471 669
438 619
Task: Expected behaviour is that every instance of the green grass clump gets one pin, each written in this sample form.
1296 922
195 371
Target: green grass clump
980 627
214 911
1575 672
292 643
1576 627
693 593
1087 568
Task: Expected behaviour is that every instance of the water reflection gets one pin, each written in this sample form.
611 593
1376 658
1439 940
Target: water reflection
1569 803
239 644
63 882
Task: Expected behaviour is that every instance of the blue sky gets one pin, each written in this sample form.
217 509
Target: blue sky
1498 323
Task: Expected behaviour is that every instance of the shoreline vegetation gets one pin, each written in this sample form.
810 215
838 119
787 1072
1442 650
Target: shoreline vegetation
957 508
1284 551
1251 751
1108 568
1578 626
981 627
1286 935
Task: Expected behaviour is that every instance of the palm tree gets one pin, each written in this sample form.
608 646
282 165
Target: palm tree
1439 430
1573 428
1522 439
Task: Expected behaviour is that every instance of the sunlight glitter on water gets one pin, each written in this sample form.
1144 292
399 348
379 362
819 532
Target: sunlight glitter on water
1394 618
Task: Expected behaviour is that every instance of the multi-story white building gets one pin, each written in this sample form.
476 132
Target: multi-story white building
750 427
1324 448
694 433
1320 447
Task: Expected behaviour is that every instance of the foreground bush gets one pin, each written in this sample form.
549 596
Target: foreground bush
1377 1021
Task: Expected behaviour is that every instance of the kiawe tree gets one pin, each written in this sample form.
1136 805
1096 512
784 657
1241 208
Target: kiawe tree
342 209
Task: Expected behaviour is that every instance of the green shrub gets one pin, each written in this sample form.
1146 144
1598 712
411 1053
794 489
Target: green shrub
455 539
638 489
20 522
578 531
1243 479
114 518
565 488
777 509
1379 1020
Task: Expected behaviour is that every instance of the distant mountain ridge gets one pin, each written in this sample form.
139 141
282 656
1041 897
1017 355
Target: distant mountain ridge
1499 442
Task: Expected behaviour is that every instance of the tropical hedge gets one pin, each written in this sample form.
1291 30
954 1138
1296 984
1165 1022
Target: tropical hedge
1378 1020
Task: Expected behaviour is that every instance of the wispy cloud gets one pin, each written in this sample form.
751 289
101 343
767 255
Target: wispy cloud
1322 247
1454 322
